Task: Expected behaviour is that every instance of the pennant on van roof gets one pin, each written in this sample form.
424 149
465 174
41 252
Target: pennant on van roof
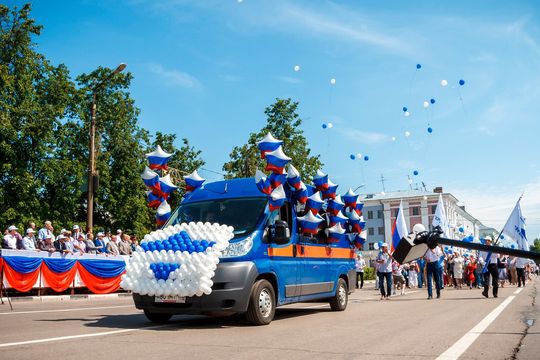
268 144
158 159
310 223
350 199
335 205
193 181
314 203
293 178
263 183
320 180
277 198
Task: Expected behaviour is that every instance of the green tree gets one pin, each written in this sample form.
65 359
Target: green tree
536 245
35 97
285 124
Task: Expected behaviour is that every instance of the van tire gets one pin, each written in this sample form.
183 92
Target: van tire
339 301
159 318
262 303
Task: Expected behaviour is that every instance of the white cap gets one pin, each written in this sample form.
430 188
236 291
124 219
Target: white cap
60 237
12 227
100 234
119 231
29 230
63 231
418 228
384 244
75 227
488 238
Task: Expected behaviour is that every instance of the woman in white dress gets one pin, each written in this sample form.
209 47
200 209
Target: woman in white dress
413 274
458 269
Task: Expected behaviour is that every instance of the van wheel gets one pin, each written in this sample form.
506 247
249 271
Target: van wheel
339 301
262 303
157 317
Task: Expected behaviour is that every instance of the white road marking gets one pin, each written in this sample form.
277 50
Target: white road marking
518 291
60 338
460 346
65 310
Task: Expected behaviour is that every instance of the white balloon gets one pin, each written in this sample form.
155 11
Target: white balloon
393 138
333 81
330 125
444 82
407 134
407 114
426 104
297 68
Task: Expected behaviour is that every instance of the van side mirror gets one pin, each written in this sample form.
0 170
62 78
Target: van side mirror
280 233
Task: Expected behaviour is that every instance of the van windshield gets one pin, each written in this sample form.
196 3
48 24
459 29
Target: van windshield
242 214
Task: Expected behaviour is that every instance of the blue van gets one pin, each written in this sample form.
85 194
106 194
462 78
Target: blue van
267 263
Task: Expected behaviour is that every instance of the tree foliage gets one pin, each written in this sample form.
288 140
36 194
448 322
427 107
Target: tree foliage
44 117
284 123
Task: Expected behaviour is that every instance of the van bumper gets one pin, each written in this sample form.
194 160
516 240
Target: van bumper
230 293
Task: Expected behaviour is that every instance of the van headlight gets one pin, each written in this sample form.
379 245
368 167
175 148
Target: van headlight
239 248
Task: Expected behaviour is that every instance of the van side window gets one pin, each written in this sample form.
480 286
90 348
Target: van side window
285 214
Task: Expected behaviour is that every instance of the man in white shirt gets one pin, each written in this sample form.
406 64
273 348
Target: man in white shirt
384 271
28 242
433 270
520 269
10 239
47 229
490 269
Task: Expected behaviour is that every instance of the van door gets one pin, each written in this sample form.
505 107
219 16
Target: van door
317 275
286 261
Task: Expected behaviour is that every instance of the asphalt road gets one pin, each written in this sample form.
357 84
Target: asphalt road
460 324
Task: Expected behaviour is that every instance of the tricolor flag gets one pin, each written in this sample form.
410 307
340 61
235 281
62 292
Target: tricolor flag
268 144
310 223
293 178
263 184
320 180
276 161
399 229
158 159
277 198
193 181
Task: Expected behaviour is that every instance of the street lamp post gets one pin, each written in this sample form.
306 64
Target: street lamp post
92 151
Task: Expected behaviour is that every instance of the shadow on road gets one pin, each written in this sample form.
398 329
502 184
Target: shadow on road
181 322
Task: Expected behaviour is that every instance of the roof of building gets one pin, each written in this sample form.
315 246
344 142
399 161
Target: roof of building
400 194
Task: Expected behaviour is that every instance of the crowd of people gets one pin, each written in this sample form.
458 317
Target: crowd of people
455 269
73 241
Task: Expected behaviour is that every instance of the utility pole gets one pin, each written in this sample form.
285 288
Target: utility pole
92 150
382 182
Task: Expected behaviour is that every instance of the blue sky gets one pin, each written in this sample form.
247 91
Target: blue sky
206 70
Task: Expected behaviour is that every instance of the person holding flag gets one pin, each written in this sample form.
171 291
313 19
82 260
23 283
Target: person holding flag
490 269
399 228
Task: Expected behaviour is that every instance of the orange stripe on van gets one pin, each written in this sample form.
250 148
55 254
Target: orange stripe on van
309 251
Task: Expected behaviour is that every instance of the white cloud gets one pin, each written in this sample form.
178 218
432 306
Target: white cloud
176 77
364 137
289 79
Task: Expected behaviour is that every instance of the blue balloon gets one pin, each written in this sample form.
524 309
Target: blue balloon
512 246
461 82
324 126
429 130
405 109
415 172
418 66
461 229
366 158
353 157
502 237
432 101
380 243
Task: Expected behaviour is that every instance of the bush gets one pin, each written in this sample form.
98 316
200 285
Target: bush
369 273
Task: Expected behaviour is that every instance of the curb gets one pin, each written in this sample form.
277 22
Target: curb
53 298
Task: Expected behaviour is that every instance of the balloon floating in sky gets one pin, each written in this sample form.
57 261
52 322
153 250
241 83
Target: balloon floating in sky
444 82
461 82
297 68
359 155
327 126
429 130
407 114
415 172
404 109
418 66
432 101
324 126
353 157
330 125
366 158
407 134
393 138
426 104
332 81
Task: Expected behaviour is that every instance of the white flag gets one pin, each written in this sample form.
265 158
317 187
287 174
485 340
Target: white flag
515 228
440 218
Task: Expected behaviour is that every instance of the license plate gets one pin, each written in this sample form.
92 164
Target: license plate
170 299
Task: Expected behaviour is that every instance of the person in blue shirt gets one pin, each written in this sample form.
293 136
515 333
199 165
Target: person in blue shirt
100 244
